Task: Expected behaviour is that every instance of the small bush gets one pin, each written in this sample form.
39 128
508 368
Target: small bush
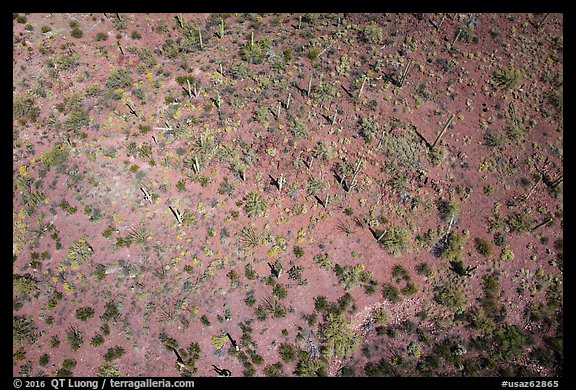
424 269
25 109
77 33
313 53
298 251
97 340
409 289
255 205
451 295
84 313
205 321
483 246
101 36
24 330
373 33
114 353
111 312
75 338
320 304
507 79
44 359
397 240
119 78
280 291
390 293
369 129
255 54
447 210
454 247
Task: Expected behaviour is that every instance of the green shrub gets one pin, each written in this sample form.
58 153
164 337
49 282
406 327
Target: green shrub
451 294
507 79
338 337
84 313
77 33
69 364
520 221
373 33
424 269
25 109
274 370
111 312
381 369
454 248
390 293
323 260
280 291
447 210
114 353
255 205
298 251
397 240
287 352
351 277
119 78
25 285
509 342
205 321
309 367
249 272
483 246
75 338
409 289
320 304
380 316
97 340
20 354
54 342
80 251
369 129
255 54
466 34
101 36
314 53
325 91
107 370
24 330
44 359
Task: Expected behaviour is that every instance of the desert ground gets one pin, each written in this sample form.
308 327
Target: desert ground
288 194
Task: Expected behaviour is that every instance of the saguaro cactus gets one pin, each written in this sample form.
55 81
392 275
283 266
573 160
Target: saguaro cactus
147 195
132 110
200 38
405 73
177 215
356 171
362 86
443 131
281 182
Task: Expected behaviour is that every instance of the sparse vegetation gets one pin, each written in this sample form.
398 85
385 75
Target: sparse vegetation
255 205
507 79
318 194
